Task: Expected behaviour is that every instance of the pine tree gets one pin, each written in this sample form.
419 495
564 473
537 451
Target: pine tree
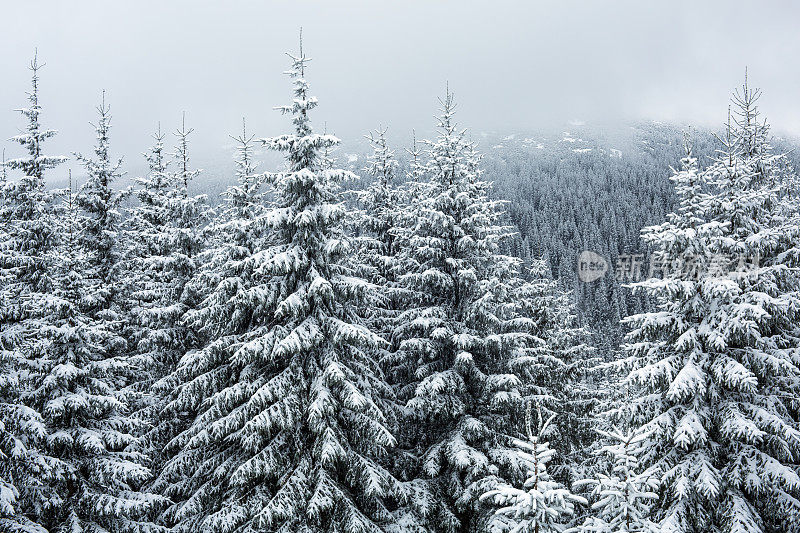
166 234
146 283
399 367
715 362
379 217
543 505
379 229
189 216
288 435
244 202
3 179
465 342
26 238
8 492
100 203
14 468
237 232
92 479
558 370
622 497
150 299
26 203
20 466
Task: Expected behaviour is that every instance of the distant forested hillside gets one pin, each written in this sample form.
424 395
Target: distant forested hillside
586 189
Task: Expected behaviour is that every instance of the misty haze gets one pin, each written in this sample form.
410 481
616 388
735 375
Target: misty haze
373 267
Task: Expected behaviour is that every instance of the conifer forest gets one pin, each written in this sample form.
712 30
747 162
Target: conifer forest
432 330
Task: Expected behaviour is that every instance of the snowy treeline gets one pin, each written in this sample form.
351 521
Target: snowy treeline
563 200
304 358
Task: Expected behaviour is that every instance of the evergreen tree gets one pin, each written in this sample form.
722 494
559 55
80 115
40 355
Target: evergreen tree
716 361
166 234
244 201
288 435
543 505
399 366
416 170
622 497
558 370
13 456
189 216
465 343
20 466
146 279
379 229
3 180
26 205
236 233
148 301
26 238
379 217
100 203
92 481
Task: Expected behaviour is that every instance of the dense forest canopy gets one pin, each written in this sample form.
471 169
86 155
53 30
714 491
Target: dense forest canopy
396 338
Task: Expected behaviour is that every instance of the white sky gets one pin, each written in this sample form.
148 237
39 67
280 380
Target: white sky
511 65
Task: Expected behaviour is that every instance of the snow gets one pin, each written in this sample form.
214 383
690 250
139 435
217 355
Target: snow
301 358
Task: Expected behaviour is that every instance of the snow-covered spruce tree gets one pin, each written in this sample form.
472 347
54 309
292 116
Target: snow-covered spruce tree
145 246
288 436
716 360
91 483
166 233
557 369
26 237
464 341
164 237
226 280
189 216
19 425
543 505
379 238
244 202
379 204
15 467
147 298
19 465
100 203
8 492
26 206
399 367
8 441
760 326
621 498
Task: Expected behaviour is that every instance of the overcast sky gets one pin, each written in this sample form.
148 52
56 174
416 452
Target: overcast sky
511 65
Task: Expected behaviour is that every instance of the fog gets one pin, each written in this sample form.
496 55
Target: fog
511 65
